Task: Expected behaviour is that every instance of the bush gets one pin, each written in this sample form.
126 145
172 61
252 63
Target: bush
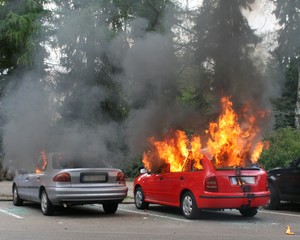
284 147
132 167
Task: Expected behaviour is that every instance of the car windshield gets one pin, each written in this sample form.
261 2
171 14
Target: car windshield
76 160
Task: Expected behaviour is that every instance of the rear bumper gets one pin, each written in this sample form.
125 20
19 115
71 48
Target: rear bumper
71 195
217 201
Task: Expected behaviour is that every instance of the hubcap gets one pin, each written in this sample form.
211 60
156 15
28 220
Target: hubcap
187 205
15 193
138 198
44 202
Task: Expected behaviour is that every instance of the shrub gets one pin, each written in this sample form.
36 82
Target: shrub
284 147
132 167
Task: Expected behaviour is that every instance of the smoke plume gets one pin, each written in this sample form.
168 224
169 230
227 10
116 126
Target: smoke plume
149 81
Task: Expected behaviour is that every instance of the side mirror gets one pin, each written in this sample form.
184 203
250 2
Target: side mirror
143 170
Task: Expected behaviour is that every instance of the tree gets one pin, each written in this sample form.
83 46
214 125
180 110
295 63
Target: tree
288 51
223 50
21 28
85 32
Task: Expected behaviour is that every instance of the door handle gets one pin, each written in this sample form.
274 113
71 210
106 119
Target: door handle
181 177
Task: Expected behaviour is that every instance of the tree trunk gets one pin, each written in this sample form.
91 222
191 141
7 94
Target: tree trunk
297 110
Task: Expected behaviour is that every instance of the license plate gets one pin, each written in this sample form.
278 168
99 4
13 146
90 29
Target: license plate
93 178
242 180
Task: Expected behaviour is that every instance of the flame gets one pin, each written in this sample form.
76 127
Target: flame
177 152
233 140
289 231
42 162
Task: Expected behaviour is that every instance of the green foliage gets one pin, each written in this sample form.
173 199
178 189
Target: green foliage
284 112
131 168
19 26
284 147
287 13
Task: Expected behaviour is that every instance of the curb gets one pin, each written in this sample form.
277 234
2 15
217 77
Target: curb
5 198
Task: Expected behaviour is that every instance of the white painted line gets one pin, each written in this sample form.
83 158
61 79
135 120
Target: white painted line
283 214
154 215
11 214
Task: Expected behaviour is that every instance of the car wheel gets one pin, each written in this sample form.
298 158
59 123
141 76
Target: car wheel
248 212
46 206
17 201
274 201
110 208
139 199
188 206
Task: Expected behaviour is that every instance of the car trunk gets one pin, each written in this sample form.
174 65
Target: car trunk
241 180
83 177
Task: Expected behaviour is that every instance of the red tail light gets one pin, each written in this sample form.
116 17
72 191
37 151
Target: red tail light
62 177
211 184
120 177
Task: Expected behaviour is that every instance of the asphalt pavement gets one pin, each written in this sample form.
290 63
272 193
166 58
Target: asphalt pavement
6 191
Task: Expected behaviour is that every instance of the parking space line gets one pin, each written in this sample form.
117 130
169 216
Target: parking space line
154 215
278 213
11 214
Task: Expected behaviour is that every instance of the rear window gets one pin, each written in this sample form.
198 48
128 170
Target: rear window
248 165
76 160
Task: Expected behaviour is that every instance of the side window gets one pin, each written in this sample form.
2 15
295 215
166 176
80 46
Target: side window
41 163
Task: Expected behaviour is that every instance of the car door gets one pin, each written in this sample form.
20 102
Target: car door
290 179
36 178
170 185
23 186
35 186
152 187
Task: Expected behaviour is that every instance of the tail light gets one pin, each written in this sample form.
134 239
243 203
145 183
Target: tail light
267 183
211 184
62 177
120 177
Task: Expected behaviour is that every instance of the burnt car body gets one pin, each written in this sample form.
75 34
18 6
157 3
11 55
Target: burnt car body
70 179
284 184
244 189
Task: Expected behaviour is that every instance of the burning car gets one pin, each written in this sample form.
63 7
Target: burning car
221 173
208 187
66 179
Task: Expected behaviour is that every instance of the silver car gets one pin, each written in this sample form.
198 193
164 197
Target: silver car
66 179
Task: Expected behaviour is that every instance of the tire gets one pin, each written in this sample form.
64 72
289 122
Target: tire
46 206
139 199
274 201
110 208
17 201
248 212
188 206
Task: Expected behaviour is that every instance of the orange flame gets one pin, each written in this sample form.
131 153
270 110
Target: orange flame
289 231
231 142
177 152
42 162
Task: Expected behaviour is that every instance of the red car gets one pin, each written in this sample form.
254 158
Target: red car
209 187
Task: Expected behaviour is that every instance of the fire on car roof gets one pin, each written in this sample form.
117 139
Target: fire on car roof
234 140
